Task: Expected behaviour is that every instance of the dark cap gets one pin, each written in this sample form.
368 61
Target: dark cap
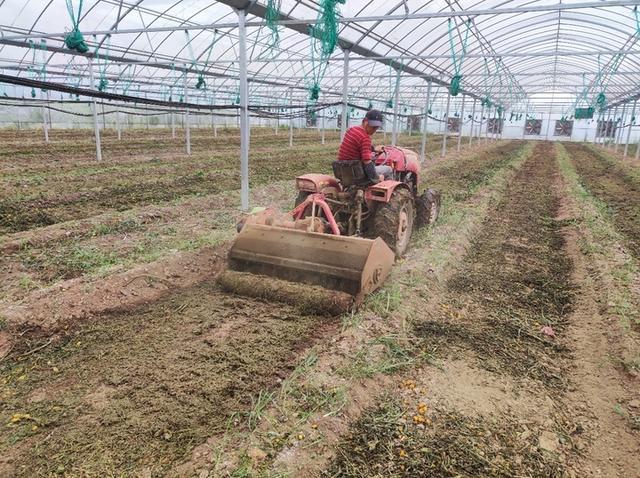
374 118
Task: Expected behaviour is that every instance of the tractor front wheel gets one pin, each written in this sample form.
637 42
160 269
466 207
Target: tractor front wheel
393 221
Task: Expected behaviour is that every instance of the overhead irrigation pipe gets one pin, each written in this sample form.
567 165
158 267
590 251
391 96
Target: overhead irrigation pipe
285 21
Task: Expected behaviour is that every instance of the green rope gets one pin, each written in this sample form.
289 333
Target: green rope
324 39
394 83
102 68
271 18
74 39
457 61
201 84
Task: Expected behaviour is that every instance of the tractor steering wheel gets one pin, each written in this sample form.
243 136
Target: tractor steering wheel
381 154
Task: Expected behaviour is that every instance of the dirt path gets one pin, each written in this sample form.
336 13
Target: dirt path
598 388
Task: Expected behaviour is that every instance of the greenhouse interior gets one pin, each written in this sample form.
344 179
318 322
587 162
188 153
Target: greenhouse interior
454 293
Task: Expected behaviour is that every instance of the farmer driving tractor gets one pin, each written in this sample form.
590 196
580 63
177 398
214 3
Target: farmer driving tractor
356 145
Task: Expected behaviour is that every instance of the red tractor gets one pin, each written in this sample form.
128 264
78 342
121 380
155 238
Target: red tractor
344 231
350 205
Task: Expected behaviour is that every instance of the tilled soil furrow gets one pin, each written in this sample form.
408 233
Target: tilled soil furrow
135 391
611 185
513 281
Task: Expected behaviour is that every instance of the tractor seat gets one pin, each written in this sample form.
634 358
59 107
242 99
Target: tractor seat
350 173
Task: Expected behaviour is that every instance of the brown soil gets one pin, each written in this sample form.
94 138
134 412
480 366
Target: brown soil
133 391
611 184
598 387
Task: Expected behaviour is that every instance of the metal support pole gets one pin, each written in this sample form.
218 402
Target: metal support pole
461 123
345 95
322 119
524 126
614 129
291 119
606 129
481 122
620 128
94 110
637 150
548 125
45 126
423 147
473 122
173 124
244 110
118 128
187 130
446 125
626 143
396 100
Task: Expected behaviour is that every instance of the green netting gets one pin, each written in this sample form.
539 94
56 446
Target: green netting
271 17
74 39
33 70
323 36
102 67
456 80
584 113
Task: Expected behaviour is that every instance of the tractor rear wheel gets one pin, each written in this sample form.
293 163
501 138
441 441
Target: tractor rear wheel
428 208
393 221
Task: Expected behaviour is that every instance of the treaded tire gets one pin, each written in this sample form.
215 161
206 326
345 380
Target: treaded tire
393 221
427 208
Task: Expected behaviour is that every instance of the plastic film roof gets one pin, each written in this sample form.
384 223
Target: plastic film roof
521 54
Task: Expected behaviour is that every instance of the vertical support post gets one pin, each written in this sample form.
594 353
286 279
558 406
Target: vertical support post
423 146
526 112
619 132
461 123
481 122
322 140
45 125
118 128
606 129
548 124
173 124
614 131
187 130
626 143
244 111
345 93
291 118
446 125
396 100
473 121
213 117
94 110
